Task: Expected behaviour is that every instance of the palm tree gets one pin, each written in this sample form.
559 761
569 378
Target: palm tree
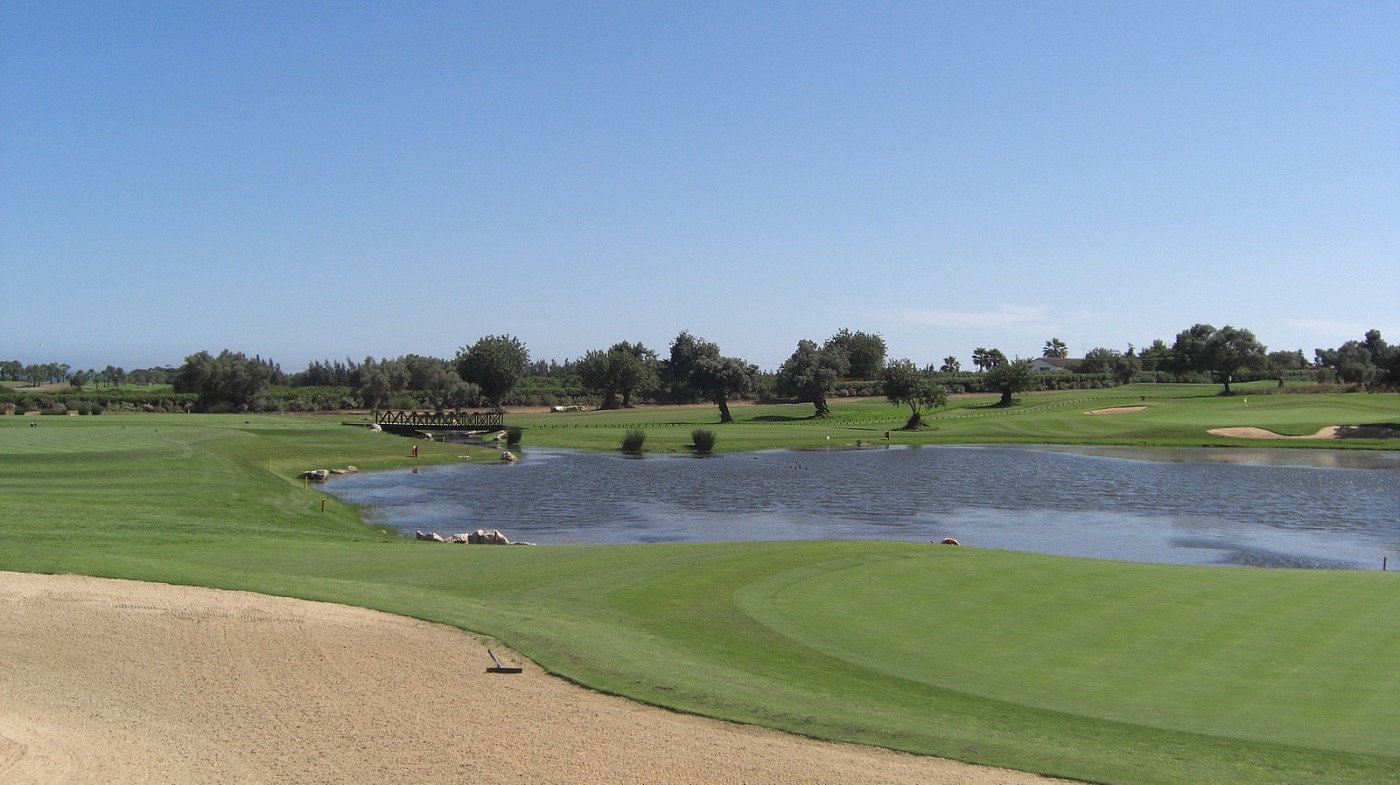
1056 348
981 358
950 365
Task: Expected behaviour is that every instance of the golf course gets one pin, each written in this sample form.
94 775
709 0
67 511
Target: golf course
1099 671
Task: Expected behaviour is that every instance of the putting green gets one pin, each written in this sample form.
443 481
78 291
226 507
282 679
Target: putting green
1226 652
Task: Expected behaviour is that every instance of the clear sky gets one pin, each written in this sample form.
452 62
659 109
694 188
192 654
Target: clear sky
322 180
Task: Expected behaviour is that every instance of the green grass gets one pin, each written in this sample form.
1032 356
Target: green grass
1103 671
1176 415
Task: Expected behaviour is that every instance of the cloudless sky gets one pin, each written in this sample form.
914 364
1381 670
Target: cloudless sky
323 180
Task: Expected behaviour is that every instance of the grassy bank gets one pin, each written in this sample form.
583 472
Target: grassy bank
1166 415
1102 671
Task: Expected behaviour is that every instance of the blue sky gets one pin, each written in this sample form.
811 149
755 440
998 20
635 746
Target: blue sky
308 180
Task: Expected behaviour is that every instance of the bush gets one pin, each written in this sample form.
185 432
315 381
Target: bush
702 440
513 434
404 401
632 442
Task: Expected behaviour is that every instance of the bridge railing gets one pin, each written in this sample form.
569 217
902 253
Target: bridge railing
469 420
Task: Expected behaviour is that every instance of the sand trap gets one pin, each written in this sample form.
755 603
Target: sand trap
110 682
1328 432
1117 410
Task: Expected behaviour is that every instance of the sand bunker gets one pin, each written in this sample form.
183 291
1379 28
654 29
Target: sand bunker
1117 410
1328 432
110 682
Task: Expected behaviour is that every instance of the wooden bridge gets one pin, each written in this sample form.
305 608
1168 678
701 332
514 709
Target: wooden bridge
440 421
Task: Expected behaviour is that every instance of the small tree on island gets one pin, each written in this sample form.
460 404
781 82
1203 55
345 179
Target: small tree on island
905 384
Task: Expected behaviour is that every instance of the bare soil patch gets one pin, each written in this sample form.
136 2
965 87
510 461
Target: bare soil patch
117 682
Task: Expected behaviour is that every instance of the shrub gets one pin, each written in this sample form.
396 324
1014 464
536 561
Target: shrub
404 401
513 434
632 442
702 440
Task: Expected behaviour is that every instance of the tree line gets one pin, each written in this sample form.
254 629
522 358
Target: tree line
693 369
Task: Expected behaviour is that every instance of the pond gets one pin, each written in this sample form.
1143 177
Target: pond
1274 508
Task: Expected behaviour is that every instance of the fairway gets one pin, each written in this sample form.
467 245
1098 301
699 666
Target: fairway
1102 671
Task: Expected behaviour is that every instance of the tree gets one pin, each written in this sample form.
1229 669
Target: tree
618 373
149 376
1218 352
1232 349
634 369
950 365
905 384
1126 367
1189 350
687 352
595 374
811 372
1010 378
721 378
981 358
494 363
1385 357
987 359
1364 362
1055 348
1287 361
864 352
696 369
1157 356
371 384
325 373
1100 359
112 376
78 380
442 387
231 378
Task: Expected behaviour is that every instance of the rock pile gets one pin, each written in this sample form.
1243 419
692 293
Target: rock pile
320 475
478 537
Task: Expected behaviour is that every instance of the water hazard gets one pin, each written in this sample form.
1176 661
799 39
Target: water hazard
1277 508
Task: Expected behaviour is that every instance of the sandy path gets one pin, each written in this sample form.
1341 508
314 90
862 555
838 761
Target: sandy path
122 682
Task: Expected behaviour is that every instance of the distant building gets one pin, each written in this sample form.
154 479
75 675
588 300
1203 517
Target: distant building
1056 363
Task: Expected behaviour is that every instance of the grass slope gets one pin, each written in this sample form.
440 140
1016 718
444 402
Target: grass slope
1102 671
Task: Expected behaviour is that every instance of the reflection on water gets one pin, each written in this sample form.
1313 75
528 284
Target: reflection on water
1313 508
